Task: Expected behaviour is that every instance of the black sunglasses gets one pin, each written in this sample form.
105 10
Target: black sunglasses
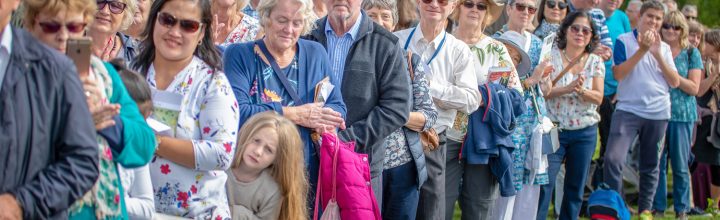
170 21
674 27
440 2
480 6
116 7
560 5
51 27
521 7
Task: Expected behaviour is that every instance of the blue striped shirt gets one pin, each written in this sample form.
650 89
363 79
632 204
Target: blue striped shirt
339 46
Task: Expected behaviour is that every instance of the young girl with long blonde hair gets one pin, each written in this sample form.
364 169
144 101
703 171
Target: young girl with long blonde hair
267 178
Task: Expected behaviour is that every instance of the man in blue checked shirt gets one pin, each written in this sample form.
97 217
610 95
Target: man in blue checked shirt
604 50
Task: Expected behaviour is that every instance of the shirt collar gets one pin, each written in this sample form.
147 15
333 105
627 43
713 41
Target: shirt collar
6 41
418 35
353 30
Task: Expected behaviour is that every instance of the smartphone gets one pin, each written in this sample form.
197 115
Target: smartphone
78 49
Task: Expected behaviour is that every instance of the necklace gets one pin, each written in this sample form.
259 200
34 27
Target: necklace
564 52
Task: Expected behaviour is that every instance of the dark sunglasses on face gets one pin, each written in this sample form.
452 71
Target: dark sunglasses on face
51 27
440 2
576 28
560 5
470 5
116 7
170 21
674 27
522 7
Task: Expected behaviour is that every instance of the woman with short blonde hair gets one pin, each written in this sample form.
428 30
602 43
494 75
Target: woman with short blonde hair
112 17
234 26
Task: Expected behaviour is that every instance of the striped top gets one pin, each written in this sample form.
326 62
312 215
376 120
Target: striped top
338 47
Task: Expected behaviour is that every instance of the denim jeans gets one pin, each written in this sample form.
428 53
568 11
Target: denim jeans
576 150
400 192
678 148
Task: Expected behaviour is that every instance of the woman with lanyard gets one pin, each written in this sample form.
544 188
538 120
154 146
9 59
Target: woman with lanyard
453 87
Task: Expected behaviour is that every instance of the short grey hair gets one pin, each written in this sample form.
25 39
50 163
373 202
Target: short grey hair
383 4
306 9
129 14
688 7
637 3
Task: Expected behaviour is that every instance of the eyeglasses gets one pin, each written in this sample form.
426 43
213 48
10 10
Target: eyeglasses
440 2
116 7
690 18
521 7
674 27
480 6
560 5
170 21
578 28
51 27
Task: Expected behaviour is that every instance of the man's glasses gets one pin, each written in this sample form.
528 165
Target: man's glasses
577 28
674 27
51 27
470 5
440 2
560 5
116 7
170 21
521 7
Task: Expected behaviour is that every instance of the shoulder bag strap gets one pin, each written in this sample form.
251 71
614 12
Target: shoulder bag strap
283 78
567 68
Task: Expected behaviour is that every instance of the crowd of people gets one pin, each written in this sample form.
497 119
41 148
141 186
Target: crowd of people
214 109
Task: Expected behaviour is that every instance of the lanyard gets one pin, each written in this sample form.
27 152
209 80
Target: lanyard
442 42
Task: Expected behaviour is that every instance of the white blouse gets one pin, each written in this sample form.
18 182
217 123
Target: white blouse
209 118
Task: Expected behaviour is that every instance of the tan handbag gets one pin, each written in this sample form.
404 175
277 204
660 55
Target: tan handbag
429 138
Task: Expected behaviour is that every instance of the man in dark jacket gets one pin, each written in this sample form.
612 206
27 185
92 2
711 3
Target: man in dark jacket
48 150
375 83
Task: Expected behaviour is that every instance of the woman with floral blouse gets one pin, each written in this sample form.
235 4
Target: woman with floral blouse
181 64
572 103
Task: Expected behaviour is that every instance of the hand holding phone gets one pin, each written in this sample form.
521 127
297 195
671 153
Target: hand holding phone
79 51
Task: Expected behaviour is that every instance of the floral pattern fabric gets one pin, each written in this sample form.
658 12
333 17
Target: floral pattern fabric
571 111
684 106
209 118
270 80
245 31
397 152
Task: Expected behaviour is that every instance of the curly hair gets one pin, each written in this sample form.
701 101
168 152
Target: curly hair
306 10
568 21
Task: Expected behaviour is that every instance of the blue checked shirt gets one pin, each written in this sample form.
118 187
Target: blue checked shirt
339 46
598 17
248 10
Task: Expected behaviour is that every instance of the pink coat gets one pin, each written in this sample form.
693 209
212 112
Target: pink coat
354 193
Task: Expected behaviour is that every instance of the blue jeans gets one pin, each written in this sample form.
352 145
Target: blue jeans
400 192
576 150
678 146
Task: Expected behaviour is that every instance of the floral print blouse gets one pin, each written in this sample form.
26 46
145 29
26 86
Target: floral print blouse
245 31
684 106
489 53
570 110
397 152
209 118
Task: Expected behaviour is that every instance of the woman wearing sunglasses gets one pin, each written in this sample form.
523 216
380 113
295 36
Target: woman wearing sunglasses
683 115
112 17
573 101
123 136
549 16
180 62
231 25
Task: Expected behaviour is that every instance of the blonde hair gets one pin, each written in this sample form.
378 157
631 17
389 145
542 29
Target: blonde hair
288 169
306 10
32 8
678 19
128 14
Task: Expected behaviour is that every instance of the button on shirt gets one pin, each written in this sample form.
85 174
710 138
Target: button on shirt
339 46
5 50
453 82
644 92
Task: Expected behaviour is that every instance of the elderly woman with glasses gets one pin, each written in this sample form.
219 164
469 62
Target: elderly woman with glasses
182 65
112 17
683 115
549 16
288 75
123 136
